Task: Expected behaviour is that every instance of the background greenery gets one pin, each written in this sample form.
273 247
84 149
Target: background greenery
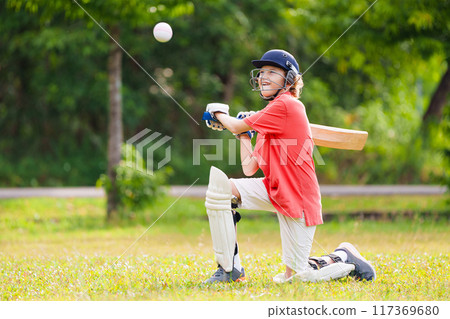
380 77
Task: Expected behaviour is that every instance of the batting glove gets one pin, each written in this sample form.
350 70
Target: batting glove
212 123
217 107
241 116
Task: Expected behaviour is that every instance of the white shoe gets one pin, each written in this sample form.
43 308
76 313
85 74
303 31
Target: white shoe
332 271
281 278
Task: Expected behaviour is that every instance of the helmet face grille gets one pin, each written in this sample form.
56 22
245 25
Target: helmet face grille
257 77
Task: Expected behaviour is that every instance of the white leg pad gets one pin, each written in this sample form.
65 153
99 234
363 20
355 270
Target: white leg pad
332 271
218 208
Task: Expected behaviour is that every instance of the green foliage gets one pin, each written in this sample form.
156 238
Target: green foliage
378 77
137 187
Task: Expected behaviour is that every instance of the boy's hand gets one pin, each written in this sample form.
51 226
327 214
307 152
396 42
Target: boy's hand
212 123
212 108
243 115
248 134
216 126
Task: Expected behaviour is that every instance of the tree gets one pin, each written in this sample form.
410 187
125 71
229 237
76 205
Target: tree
115 130
378 77
114 15
392 36
439 98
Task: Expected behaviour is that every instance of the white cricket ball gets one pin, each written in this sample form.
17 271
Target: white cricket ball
162 32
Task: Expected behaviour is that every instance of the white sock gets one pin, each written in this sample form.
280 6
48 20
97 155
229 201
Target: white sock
237 260
342 254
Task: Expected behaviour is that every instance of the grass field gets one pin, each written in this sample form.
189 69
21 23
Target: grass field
62 249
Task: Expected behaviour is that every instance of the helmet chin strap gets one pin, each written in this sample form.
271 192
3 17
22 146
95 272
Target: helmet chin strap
272 97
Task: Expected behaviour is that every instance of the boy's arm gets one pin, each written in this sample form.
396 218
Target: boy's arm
237 126
249 163
234 125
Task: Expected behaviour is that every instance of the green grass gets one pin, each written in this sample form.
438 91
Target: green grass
47 215
386 204
62 249
178 277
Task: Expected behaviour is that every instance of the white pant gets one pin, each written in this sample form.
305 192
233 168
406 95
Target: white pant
296 237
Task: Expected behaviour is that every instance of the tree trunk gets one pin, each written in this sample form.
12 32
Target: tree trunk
439 98
115 134
229 83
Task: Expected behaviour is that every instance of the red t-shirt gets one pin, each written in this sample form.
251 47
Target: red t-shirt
284 149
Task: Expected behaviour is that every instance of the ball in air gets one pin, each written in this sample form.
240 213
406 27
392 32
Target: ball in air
162 32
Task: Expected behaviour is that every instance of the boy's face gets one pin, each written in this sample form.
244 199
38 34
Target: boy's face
270 80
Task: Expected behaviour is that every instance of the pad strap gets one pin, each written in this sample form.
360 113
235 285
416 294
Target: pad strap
322 263
235 202
313 264
236 217
335 258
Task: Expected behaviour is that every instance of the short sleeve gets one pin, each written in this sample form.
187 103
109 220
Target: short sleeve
270 120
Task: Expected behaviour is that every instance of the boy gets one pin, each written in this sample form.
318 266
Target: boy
283 151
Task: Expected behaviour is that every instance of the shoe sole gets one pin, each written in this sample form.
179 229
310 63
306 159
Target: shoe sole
349 248
241 279
215 279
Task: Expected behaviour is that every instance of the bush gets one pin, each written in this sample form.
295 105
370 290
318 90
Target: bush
136 187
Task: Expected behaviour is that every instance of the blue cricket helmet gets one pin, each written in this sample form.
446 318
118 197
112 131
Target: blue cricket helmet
278 58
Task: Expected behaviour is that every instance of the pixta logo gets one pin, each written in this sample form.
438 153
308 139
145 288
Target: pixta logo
145 145
305 153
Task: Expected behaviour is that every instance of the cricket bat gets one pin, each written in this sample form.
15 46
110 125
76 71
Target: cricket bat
336 137
328 136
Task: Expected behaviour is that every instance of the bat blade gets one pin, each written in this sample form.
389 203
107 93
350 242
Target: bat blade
335 137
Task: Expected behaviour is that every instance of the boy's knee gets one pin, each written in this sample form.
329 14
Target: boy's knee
235 191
